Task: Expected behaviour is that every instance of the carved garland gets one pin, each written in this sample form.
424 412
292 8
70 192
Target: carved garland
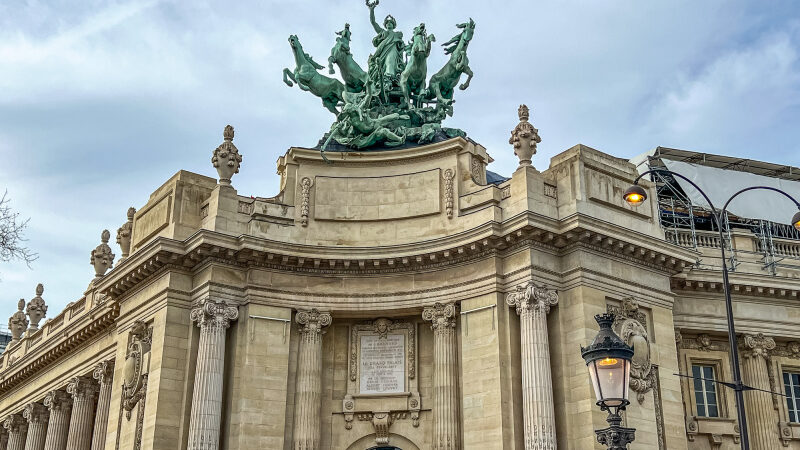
305 192
448 192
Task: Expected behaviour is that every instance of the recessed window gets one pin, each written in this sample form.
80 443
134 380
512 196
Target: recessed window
791 382
705 390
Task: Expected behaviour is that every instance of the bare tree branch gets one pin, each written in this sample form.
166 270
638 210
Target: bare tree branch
12 237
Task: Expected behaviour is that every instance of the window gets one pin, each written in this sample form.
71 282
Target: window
705 391
791 382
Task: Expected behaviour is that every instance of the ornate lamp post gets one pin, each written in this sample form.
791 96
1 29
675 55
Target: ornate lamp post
608 359
635 196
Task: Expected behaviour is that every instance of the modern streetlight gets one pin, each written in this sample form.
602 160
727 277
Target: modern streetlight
635 196
608 359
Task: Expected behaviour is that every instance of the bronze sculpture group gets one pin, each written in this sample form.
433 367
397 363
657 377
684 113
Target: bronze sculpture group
392 102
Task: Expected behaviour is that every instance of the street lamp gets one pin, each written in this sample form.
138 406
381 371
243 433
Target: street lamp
635 196
608 359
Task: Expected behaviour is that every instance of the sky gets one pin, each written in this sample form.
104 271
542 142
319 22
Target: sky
101 102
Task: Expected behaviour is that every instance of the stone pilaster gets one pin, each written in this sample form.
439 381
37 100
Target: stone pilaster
446 401
308 396
84 398
104 374
762 424
17 431
60 405
37 416
533 303
213 317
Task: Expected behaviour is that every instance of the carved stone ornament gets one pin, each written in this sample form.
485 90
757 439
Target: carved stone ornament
214 313
36 309
757 345
82 388
477 171
58 401
36 413
524 138
15 423
226 158
788 350
442 316
630 324
17 323
102 257
381 421
312 320
124 234
305 199
134 370
448 192
103 372
531 296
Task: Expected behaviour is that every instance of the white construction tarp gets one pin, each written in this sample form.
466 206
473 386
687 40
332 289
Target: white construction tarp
720 184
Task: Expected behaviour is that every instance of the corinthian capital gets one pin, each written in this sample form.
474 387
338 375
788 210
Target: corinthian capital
758 345
312 320
57 401
214 313
442 316
15 423
531 296
35 413
103 372
82 388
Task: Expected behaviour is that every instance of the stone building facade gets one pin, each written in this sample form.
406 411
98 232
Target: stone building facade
395 300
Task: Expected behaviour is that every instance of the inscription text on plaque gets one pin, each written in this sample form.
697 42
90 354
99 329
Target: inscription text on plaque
383 364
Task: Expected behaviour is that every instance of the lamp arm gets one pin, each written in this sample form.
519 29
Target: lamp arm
724 208
717 217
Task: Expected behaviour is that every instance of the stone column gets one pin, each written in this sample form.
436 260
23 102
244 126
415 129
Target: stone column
104 374
37 416
17 431
3 438
762 424
213 317
60 405
84 397
446 418
308 395
538 411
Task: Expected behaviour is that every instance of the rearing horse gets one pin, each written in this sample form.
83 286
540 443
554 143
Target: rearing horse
445 80
308 79
353 75
412 80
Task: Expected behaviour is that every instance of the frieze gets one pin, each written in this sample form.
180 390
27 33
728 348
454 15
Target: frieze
704 343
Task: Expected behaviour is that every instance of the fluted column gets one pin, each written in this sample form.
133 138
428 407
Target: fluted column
762 423
17 431
104 374
3 438
308 395
538 411
37 416
84 398
60 405
446 418
213 317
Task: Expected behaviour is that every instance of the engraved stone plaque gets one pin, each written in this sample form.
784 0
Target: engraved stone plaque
383 364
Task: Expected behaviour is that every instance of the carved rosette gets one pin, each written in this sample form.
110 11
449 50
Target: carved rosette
226 158
532 297
442 317
305 200
36 309
312 321
17 323
449 200
757 345
214 313
35 413
102 257
524 138
124 234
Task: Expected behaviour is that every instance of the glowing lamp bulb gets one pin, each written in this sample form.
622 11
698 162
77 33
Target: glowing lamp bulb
635 195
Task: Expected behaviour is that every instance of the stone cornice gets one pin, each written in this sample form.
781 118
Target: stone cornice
752 285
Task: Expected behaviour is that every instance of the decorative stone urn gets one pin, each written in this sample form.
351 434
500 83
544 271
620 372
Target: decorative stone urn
226 158
102 258
124 234
17 324
524 138
36 309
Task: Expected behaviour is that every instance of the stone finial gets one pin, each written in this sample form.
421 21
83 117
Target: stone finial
226 158
17 323
36 309
524 138
124 234
102 257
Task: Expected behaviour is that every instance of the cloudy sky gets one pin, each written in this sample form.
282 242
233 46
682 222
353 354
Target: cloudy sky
100 102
